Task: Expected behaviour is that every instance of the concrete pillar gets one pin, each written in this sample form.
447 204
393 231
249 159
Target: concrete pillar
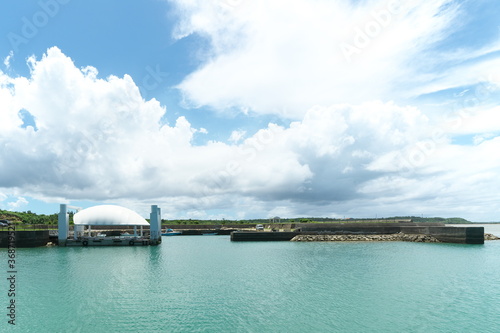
155 223
63 224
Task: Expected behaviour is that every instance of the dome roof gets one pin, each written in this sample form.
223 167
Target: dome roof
108 215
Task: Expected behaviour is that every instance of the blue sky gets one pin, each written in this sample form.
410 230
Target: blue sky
250 109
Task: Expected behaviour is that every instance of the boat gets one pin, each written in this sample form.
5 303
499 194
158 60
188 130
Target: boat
171 232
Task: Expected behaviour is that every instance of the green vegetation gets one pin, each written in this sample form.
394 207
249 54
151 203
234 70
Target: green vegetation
32 218
28 217
452 220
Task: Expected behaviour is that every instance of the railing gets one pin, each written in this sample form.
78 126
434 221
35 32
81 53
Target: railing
29 227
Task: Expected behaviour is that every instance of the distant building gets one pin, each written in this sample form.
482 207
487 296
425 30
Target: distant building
275 219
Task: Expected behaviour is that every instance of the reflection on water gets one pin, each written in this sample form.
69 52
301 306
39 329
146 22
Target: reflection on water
209 284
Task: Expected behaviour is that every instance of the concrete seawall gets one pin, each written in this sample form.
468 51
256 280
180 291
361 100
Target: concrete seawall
30 238
262 236
462 235
365 228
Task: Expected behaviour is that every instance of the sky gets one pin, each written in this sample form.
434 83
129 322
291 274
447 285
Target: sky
238 109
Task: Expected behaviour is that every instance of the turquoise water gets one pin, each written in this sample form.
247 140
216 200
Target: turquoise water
209 284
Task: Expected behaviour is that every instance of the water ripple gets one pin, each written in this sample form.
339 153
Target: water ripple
209 284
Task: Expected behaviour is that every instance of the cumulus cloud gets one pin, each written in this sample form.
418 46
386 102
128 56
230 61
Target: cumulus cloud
98 139
322 64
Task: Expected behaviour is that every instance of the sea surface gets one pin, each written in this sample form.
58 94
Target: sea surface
210 284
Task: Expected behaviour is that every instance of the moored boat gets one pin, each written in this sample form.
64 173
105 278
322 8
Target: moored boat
171 232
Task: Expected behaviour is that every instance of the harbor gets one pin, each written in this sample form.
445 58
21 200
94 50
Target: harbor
208 283
108 225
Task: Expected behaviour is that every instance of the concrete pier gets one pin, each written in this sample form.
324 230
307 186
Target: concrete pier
262 236
24 238
462 235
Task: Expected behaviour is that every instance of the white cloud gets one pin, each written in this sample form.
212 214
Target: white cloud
484 73
18 203
478 139
98 140
7 59
289 58
284 57
237 135
472 120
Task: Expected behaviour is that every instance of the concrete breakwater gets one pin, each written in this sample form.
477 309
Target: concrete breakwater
400 237
413 232
464 235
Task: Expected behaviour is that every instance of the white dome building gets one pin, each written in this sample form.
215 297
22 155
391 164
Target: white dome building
109 215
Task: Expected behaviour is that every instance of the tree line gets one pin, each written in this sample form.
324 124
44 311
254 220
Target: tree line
29 217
